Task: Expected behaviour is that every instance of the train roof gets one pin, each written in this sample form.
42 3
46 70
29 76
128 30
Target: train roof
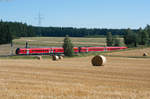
40 48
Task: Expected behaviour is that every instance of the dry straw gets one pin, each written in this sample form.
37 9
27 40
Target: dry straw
55 58
60 57
39 57
98 60
145 54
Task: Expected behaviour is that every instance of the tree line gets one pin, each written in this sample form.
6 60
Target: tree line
76 32
11 30
140 37
132 37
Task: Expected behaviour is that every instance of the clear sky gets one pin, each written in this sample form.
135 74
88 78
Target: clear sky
78 13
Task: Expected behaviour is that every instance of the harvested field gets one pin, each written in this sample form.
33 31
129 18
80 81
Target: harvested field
58 41
75 78
135 52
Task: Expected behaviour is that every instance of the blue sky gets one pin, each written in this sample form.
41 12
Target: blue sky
78 13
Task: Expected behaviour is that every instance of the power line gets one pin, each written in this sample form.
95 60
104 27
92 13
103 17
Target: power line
40 18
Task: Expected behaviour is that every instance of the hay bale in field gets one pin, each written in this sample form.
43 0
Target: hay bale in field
55 58
98 60
60 57
39 57
145 54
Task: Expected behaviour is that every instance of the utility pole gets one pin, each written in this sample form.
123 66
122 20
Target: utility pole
26 44
11 45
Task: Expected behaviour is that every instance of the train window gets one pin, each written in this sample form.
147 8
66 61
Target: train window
59 49
45 50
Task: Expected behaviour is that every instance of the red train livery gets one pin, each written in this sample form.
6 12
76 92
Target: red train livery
60 50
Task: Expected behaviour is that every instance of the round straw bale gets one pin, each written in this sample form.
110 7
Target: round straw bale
39 57
60 57
98 60
54 57
145 54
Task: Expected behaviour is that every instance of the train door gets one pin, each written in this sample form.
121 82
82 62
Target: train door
27 51
87 50
105 48
79 49
52 51
49 51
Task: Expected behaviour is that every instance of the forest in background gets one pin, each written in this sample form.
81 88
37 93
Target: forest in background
12 30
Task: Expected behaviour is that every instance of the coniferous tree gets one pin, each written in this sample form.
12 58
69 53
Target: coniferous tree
109 39
140 31
145 38
147 29
116 41
68 47
131 38
5 35
11 30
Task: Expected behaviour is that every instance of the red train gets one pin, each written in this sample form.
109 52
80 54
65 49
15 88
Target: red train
60 50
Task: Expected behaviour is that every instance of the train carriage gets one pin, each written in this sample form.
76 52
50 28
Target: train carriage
60 50
38 51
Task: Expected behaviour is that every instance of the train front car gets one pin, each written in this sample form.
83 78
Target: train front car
21 51
32 51
17 51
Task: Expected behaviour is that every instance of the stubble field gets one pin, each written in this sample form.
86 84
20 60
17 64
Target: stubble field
58 41
138 52
75 78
